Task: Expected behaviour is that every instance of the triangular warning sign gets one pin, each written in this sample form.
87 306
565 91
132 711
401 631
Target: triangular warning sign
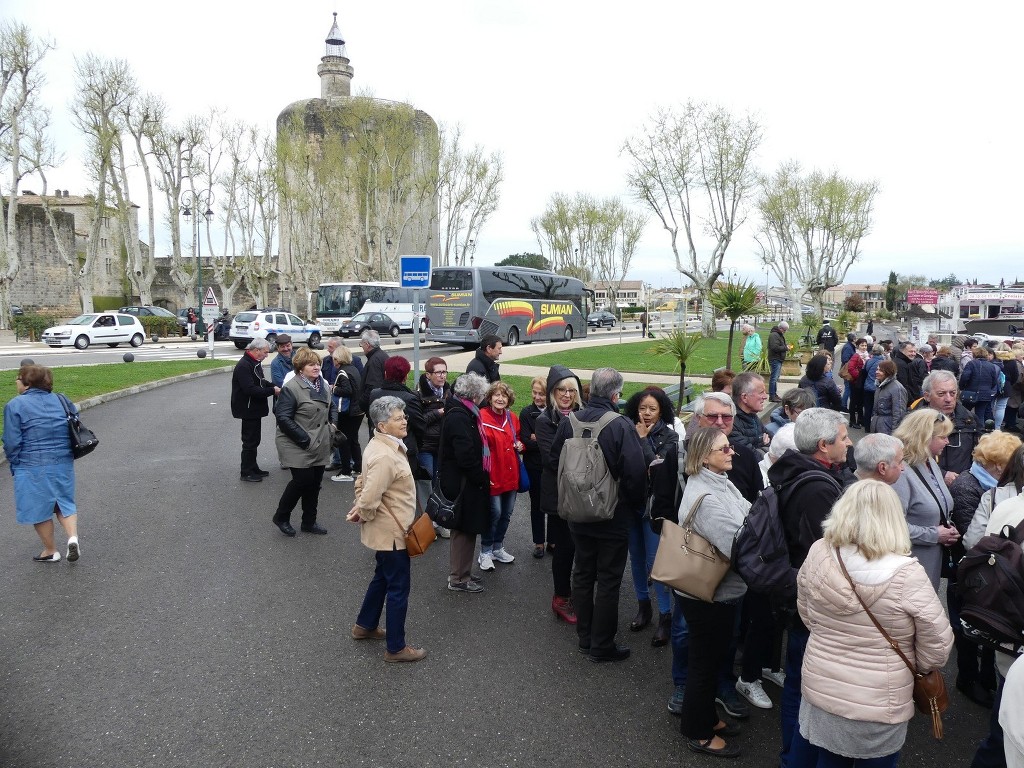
209 300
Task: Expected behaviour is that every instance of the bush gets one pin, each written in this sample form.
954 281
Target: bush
31 325
161 326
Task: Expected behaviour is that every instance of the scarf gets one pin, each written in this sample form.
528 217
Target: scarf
315 386
480 428
983 477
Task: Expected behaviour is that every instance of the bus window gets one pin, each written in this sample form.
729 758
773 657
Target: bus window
445 279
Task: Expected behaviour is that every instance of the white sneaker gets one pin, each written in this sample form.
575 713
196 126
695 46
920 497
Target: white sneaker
74 550
340 478
778 678
502 556
442 532
485 562
754 693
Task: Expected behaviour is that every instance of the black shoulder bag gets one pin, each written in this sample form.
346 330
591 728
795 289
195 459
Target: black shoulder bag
83 439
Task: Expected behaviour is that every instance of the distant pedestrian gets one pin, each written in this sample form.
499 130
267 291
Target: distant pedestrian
827 337
778 349
303 441
643 324
384 508
485 362
751 346
191 320
373 370
38 448
250 390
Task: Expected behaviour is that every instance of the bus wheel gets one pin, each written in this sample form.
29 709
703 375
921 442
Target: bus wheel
513 336
568 333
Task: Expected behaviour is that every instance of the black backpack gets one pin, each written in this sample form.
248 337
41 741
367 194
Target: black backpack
990 581
760 554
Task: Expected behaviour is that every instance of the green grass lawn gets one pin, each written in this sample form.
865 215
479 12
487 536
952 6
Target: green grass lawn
81 382
639 357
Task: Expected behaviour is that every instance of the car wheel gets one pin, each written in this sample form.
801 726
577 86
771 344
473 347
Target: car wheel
513 336
568 333
114 344
611 324
241 344
137 340
314 339
82 342
394 330
272 339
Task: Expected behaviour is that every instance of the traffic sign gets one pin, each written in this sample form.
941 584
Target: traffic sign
210 300
414 271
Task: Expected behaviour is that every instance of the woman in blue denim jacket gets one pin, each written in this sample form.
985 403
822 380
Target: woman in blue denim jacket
38 448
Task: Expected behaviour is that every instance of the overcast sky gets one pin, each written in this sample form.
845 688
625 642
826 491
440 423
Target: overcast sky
921 96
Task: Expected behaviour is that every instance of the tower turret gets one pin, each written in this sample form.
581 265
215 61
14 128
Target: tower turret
335 70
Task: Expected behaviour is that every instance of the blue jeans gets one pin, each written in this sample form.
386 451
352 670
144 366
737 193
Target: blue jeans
773 381
806 755
428 461
501 513
643 546
789 704
391 582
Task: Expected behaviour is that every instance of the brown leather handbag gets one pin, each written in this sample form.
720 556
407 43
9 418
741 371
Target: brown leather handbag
418 536
930 695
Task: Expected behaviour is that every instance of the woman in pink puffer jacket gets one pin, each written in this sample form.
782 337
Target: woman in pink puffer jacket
856 691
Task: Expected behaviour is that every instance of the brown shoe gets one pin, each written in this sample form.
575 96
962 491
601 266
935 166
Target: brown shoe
361 633
406 654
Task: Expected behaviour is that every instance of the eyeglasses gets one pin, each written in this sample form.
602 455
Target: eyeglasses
725 417
726 449
437 371
565 390
940 418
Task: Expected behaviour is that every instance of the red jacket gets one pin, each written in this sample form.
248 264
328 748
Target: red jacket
855 367
501 433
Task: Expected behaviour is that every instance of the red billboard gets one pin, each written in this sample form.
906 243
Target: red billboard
922 296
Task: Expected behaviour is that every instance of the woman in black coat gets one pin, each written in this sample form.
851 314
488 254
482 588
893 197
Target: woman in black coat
816 379
463 475
564 390
532 460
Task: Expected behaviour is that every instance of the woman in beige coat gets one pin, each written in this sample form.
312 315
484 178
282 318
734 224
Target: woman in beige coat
385 507
857 692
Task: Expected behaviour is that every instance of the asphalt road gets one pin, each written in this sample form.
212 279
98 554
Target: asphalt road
192 633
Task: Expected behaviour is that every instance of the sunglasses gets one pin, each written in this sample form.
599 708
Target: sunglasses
726 449
719 417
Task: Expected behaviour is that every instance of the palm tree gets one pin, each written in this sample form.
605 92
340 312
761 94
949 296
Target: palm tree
679 345
734 300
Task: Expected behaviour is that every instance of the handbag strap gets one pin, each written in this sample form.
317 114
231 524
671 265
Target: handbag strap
693 511
935 496
66 404
892 643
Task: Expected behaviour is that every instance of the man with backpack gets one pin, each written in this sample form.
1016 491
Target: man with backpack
599 515
807 481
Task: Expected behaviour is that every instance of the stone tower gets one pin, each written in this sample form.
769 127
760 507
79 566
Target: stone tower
358 182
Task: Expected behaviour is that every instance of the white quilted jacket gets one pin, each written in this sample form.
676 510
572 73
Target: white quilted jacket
849 669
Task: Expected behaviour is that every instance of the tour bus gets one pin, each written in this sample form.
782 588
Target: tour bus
464 304
338 302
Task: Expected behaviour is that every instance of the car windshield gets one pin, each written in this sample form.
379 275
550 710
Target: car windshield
245 317
362 317
161 312
83 320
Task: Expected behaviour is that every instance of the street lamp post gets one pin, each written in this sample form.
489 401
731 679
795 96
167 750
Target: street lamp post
472 252
197 201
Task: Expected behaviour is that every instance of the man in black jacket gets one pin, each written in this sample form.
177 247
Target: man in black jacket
777 351
373 370
601 548
250 390
910 369
748 429
486 360
939 391
822 441
827 337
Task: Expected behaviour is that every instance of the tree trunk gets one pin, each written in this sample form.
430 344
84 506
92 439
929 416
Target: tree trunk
796 300
707 317
682 387
728 352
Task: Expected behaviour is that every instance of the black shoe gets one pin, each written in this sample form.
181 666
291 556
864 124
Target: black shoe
704 747
285 527
643 617
730 729
252 478
261 472
316 528
976 692
584 649
621 653
663 633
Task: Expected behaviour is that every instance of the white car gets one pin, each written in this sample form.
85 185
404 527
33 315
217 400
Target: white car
269 324
110 328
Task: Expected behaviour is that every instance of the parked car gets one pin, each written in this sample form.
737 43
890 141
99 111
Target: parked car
110 328
374 321
267 324
146 310
16 310
600 319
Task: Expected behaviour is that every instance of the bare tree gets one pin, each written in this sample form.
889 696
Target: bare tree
811 229
694 169
25 147
469 189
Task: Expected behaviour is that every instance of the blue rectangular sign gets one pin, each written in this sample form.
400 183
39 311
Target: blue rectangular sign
415 271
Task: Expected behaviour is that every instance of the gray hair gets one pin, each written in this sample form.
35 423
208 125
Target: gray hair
907 345
744 383
797 399
815 425
925 349
783 441
370 337
718 397
783 326
873 449
256 344
382 408
747 328
935 377
878 349
332 343
606 383
471 386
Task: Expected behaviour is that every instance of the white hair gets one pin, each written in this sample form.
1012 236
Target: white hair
783 441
